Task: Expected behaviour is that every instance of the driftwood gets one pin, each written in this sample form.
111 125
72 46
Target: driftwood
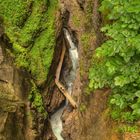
60 63
66 94
59 85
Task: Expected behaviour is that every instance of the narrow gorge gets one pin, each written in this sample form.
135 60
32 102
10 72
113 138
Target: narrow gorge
56 122
69 70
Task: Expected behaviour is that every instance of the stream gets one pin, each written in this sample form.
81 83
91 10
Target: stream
55 119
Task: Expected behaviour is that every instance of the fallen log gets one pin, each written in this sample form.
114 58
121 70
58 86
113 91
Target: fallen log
66 94
59 85
60 63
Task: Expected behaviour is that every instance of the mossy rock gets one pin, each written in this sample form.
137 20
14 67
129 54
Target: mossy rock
30 27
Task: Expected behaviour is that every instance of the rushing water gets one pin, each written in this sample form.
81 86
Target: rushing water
56 123
55 120
73 53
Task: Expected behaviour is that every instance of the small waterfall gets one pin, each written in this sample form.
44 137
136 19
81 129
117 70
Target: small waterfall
55 120
56 123
73 53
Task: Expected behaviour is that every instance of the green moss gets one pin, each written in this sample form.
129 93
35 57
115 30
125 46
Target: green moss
89 9
36 99
76 20
89 15
81 68
13 13
82 107
85 39
30 28
87 91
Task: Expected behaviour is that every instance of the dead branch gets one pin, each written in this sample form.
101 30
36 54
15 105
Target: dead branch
66 94
59 85
60 63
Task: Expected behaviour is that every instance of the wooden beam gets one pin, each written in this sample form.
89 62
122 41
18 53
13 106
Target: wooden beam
59 85
60 63
66 94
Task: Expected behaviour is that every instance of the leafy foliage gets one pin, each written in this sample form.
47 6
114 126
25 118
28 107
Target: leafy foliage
127 128
29 24
116 63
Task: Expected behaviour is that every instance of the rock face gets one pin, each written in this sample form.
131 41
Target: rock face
16 115
90 120
19 119
12 96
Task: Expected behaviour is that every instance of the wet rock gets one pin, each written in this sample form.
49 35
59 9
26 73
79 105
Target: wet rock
70 125
56 100
88 124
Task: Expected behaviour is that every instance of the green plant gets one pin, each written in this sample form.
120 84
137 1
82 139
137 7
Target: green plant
89 14
116 63
127 128
76 21
30 27
82 107
36 99
85 39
